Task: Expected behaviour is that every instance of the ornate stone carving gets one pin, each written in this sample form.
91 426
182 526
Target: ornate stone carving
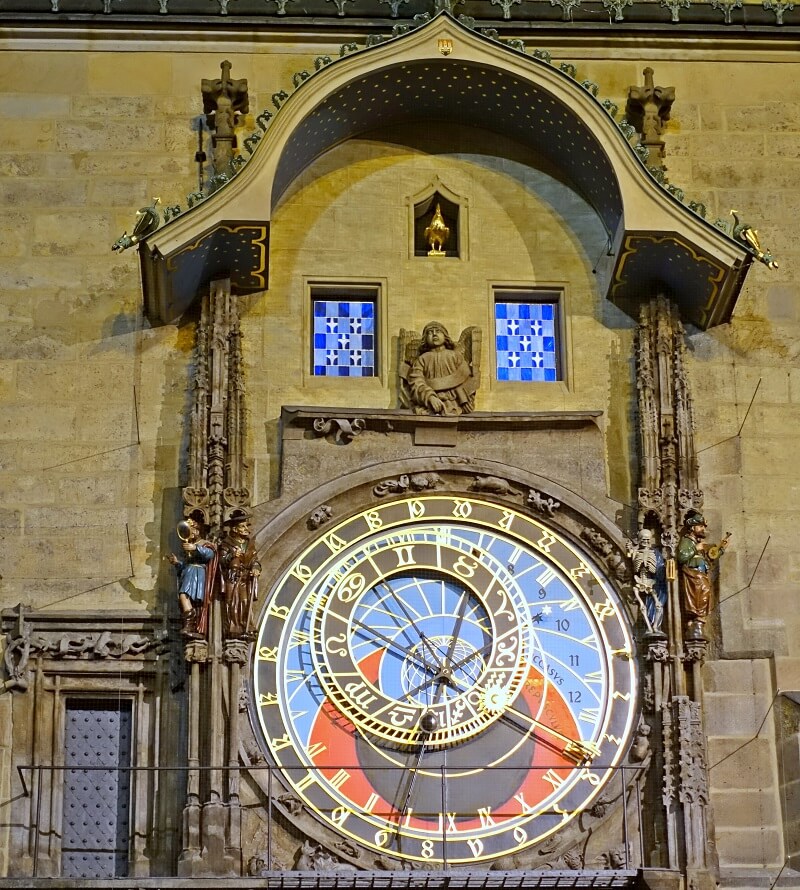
339 429
259 866
235 651
691 741
542 504
695 651
255 756
640 749
657 650
648 109
196 651
216 491
493 485
414 482
437 375
292 804
608 553
224 100
666 423
319 516
244 695
15 660
615 858
649 692
600 807
314 857
67 646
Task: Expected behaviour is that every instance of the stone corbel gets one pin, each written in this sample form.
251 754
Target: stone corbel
339 430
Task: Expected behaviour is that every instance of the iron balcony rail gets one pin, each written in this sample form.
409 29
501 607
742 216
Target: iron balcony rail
618 791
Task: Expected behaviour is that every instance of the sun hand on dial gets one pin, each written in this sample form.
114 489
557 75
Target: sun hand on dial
496 700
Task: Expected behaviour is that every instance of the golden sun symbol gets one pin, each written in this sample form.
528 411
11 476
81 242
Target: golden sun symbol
495 699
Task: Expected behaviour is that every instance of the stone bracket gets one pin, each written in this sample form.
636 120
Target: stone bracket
304 422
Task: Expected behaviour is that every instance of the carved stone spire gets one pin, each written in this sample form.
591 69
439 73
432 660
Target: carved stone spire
668 463
223 100
216 489
648 109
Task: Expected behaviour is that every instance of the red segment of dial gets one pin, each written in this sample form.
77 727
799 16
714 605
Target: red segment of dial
334 736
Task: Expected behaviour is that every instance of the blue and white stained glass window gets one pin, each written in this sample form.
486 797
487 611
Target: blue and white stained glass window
344 338
526 340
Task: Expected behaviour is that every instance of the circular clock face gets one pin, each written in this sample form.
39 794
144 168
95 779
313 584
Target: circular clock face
444 679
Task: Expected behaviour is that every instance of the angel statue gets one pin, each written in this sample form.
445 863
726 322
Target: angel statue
438 376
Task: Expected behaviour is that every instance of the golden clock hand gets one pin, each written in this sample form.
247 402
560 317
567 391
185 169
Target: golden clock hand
428 723
576 749
448 657
405 650
425 641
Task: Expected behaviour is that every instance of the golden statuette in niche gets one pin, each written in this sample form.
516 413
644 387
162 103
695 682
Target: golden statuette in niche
437 233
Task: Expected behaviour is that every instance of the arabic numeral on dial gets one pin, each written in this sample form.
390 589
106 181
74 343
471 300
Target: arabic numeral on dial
464 568
476 845
574 661
520 835
589 776
575 696
562 624
373 520
382 838
462 509
427 850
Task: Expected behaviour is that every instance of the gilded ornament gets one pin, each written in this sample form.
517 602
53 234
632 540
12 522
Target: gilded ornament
437 233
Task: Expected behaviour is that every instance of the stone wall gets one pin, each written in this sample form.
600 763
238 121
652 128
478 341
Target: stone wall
93 400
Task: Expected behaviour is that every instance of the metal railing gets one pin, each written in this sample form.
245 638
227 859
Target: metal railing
618 792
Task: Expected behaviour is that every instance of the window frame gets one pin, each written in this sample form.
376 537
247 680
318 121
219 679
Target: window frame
546 293
373 289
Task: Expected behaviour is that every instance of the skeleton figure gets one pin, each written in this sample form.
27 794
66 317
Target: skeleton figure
650 580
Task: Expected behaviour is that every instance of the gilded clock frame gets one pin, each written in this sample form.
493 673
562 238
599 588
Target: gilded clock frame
559 532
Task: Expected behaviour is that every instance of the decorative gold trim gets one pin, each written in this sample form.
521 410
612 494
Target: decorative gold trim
233 230
628 250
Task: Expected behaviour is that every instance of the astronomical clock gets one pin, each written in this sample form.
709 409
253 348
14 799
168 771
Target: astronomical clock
441 677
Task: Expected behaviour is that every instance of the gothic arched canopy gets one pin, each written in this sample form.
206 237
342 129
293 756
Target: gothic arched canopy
444 72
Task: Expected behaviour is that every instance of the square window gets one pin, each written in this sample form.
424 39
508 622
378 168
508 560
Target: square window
527 335
343 334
